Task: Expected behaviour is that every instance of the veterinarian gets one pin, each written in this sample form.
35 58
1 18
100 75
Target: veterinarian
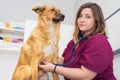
92 57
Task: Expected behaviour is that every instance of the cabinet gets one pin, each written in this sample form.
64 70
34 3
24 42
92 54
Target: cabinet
11 36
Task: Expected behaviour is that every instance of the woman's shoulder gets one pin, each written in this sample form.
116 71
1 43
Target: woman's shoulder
99 37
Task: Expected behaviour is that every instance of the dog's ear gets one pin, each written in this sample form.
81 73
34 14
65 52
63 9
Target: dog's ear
39 9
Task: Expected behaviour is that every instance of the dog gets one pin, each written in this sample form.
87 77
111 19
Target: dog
42 45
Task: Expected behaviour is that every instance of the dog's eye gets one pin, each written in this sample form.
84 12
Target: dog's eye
52 10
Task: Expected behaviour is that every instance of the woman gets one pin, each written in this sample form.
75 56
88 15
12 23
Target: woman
94 55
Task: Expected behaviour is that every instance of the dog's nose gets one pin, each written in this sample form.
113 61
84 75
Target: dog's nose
62 17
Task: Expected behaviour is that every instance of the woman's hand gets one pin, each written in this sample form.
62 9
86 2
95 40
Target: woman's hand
46 66
49 67
61 60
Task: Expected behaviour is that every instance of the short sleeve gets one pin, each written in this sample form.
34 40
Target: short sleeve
98 54
68 47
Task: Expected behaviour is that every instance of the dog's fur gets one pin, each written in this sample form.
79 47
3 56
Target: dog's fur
42 45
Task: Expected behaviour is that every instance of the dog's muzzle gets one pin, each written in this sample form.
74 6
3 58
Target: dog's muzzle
61 18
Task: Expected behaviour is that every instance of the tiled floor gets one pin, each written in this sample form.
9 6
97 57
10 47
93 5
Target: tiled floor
9 60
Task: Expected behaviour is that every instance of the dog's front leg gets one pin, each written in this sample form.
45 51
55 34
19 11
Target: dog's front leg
55 76
34 67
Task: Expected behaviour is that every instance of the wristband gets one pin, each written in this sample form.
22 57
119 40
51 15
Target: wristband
55 68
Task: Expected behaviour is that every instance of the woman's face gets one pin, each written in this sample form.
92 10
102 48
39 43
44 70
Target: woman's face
86 21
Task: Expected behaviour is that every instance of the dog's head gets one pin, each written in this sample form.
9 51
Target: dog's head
49 12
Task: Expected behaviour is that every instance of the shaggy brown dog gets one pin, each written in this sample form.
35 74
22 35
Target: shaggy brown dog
42 45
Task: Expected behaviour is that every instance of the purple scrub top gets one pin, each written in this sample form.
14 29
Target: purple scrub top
95 54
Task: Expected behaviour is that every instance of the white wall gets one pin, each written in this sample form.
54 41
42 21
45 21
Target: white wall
8 61
114 30
19 10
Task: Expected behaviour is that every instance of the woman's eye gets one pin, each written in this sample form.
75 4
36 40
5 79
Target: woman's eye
88 17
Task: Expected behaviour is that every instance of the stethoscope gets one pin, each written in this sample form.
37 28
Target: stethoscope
73 54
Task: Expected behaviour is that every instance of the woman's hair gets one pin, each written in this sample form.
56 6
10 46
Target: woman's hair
99 20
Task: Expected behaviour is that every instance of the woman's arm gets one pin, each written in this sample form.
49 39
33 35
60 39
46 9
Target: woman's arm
76 73
71 73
